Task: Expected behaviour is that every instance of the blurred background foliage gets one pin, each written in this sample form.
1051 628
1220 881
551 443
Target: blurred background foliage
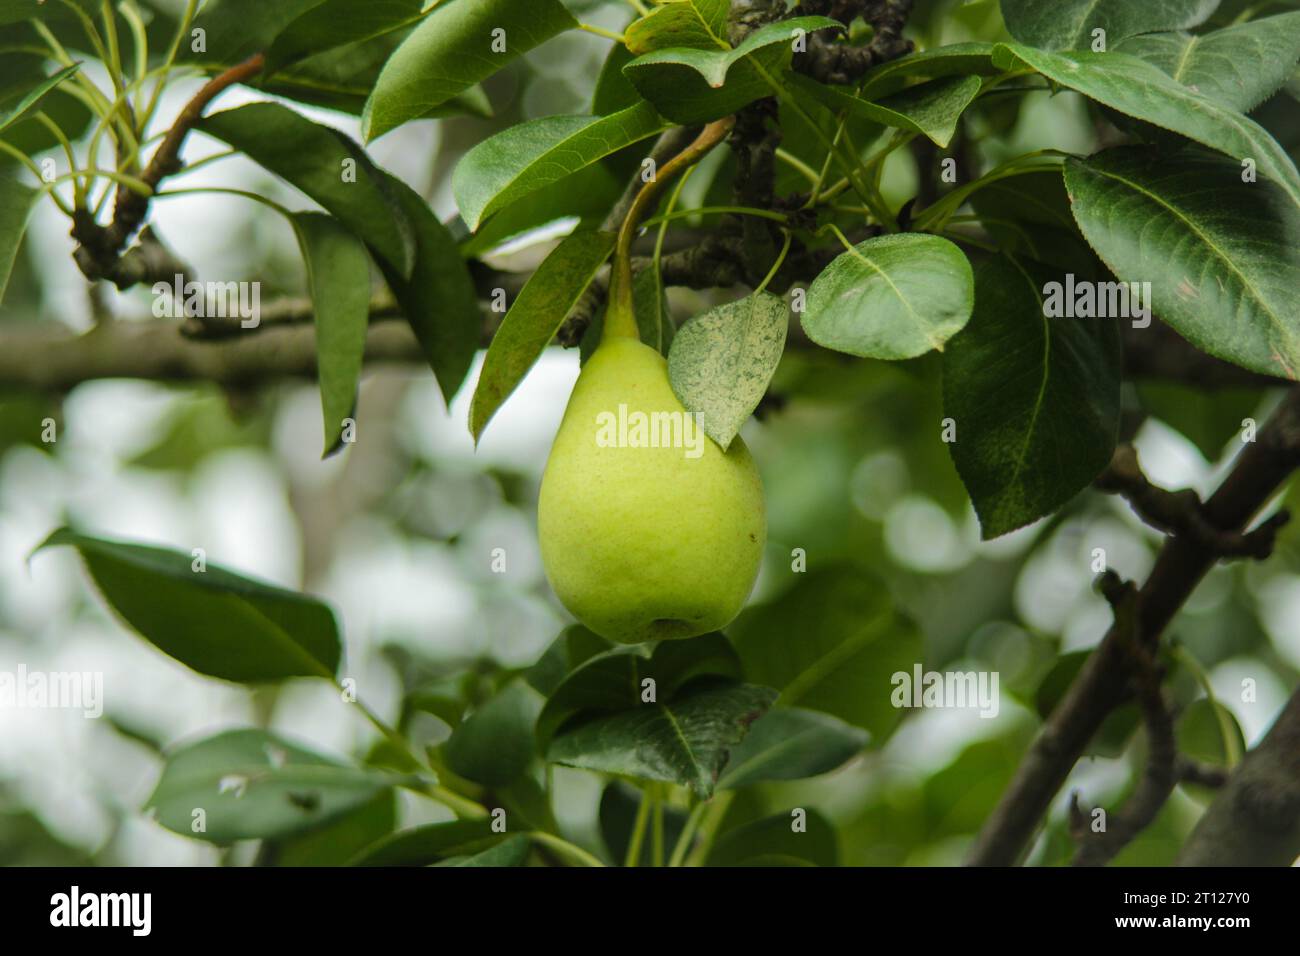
396 532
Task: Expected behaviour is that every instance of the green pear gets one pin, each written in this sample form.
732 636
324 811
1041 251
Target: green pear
650 532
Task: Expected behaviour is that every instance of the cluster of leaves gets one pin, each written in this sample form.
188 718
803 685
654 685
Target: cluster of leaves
694 719
1036 400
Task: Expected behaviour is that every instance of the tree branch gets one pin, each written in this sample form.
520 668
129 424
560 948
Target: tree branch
1255 820
1102 684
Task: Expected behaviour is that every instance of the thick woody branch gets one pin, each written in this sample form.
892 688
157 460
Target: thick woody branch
1103 683
831 61
1255 820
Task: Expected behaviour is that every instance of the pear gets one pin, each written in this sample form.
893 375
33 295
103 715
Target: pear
641 539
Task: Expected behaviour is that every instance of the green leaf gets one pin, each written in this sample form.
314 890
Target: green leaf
439 300
831 643
698 24
1139 89
494 745
1238 67
932 109
790 744
16 204
611 682
251 784
338 273
891 297
618 809
1068 24
654 318
452 50
614 91
1221 255
773 841
512 851
219 623
693 86
1209 732
539 311
962 59
421 846
333 23
235 29
318 161
684 741
1029 215
33 98
337 842
524 158
575 646
1035 399
721 362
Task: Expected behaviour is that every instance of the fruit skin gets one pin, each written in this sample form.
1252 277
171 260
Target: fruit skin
644 543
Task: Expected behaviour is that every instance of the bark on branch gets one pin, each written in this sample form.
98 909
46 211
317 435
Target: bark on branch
1255 819
1103 683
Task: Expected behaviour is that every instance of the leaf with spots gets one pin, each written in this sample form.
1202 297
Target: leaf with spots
1222 256
721 362
891 297
1035 399
684 741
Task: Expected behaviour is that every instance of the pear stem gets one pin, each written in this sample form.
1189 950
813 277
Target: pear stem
620 319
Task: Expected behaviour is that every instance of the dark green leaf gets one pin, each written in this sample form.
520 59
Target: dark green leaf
218 623
252 784
693 86
452 50
1030 216
494 744
614 91
334 23
654 318
683 741
932 108
428 844
773 841
891 297
962 59
336 843
320 161
575 646
338 274
612 682
1209 733
618 809
721 362
790 744
539 311
33 98
1035 399
1239 67
831 643
1139 89
235 29
512 851
698 24
1068 24
16 204
439 300
527 157
1222 256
